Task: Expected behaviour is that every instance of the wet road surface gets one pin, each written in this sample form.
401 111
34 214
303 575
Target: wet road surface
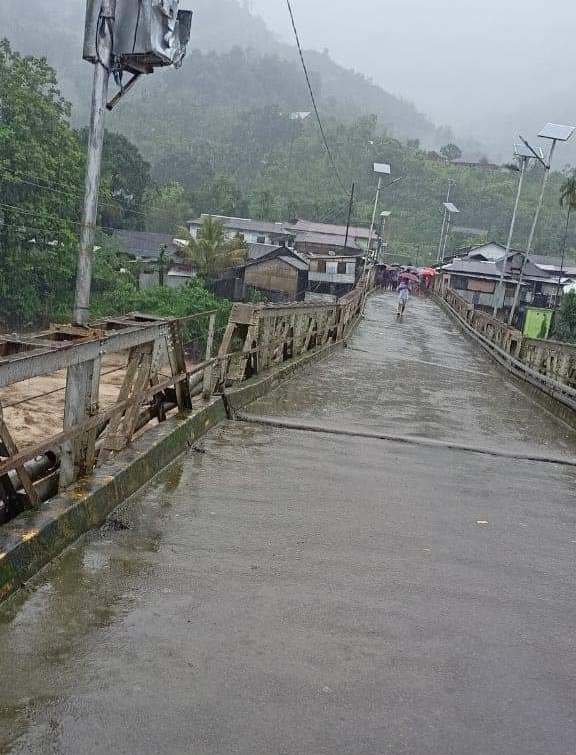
288 592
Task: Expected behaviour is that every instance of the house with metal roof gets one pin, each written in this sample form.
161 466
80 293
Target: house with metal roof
323 238
141 245
250 231
280 275
476 278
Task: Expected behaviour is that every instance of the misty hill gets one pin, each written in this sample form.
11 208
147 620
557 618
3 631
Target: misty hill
216 74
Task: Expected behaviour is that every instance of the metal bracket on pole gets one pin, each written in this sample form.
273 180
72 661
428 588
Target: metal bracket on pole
124 91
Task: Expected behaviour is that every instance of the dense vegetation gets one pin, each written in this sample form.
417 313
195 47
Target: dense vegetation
217 71
217 137
41 179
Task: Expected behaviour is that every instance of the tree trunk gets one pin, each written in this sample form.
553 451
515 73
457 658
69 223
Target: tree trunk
560 292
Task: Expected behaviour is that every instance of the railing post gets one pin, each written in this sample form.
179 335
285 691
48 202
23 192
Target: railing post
207 387
79 405
178 364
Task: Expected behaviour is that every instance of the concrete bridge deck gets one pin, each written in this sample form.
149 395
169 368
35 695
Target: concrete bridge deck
298 593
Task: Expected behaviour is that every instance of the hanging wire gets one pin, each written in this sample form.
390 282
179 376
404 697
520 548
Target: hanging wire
313 98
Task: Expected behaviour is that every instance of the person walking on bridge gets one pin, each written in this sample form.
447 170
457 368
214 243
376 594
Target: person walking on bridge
403 296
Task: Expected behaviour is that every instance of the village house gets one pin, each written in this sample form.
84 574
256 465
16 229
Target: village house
148 249
323 238
476 273
280 275
333 276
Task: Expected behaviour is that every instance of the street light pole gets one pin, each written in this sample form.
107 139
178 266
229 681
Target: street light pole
440 245
450 209
448 225
350 208
556 133
532 231
102 69
501 288
373 223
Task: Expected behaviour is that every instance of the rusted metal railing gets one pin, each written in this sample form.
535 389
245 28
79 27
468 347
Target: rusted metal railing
156 381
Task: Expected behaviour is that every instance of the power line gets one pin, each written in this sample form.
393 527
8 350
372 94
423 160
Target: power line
76 193
313 98
50 217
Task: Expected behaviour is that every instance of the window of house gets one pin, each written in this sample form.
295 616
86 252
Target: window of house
260 239
342 268
459 282
321 266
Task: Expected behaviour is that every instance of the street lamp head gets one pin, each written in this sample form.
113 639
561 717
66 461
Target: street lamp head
451 208
557 132
382 169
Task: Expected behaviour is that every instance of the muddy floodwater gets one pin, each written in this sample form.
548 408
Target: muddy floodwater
298 593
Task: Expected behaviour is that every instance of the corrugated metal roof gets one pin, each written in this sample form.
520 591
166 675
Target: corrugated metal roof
306 226
479 268
294 262
243 224
255 251
141 244
335 243
290 256
543 260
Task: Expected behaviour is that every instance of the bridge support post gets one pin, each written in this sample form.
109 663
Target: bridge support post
209 371
81 402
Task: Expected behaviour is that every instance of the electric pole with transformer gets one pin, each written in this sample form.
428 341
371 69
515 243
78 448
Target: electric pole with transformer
122 37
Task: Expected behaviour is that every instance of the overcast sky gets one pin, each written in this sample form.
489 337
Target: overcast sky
458 60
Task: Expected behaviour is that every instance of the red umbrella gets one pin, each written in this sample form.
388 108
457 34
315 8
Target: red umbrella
428 271
409 277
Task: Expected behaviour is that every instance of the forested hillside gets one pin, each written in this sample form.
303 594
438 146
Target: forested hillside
53 28
216 136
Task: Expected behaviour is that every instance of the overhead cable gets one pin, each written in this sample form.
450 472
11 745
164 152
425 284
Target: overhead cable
313 98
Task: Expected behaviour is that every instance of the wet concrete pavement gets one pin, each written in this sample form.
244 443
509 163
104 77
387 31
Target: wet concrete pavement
296 593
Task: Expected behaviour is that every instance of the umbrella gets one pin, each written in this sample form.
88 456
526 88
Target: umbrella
429 271
409 277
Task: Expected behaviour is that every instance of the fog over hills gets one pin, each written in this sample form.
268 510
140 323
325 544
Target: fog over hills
488 69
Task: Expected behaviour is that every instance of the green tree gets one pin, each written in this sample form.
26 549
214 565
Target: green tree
222 197
451 152
211 252
125 180
565 327
166 208
41 175
568 202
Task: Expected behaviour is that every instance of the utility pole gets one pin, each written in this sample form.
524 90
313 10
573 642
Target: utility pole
102 68
547 169
441 244
350 207
121 36
501 289
375 210
162 264
555 132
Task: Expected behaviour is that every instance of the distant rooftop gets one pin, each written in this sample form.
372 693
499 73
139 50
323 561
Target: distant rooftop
337 242
141 244
243 224
307 226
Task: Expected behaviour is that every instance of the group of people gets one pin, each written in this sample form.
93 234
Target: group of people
405 282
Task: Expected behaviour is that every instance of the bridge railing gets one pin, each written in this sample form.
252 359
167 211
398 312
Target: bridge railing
259 337
549 365
552 358
155 379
